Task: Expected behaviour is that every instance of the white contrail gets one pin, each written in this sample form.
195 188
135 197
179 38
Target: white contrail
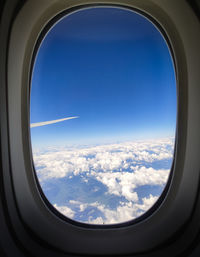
43 123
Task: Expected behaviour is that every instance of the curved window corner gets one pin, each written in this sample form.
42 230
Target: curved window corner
103 115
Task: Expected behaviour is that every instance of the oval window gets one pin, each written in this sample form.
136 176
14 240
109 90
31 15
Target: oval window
103 115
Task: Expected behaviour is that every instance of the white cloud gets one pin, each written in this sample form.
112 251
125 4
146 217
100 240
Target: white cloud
80 205
104 158
147 202
125 211
121 167
124 183
65 211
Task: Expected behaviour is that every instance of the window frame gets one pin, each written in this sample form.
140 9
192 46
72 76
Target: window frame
33 211
41 37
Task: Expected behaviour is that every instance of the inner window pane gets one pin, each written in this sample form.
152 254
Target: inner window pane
103 115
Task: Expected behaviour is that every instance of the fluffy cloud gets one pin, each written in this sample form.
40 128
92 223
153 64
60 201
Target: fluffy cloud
124 212
124 183
104 158
121 168
65 210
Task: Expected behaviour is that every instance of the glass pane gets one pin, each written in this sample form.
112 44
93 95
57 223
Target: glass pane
103 115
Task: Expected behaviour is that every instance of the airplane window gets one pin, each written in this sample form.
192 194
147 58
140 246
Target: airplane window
103 115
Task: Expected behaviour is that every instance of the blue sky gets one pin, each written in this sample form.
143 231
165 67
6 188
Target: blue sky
113 69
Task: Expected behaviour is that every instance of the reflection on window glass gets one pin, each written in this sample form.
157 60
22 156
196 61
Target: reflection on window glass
103 115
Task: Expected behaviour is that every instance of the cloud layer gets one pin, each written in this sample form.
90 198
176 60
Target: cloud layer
114 174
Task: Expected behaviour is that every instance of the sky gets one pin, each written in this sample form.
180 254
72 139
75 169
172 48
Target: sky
109 67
